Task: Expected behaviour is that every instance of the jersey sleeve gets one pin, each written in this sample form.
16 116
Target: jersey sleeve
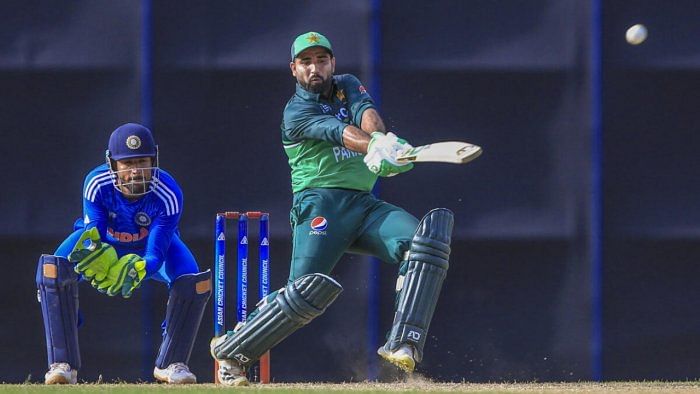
94 212
304 121
163 226
358 98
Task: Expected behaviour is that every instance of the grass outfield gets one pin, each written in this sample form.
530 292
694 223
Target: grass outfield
355 388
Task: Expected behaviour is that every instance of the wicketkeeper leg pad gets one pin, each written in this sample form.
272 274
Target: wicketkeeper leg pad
188 298
294 306
418 291
57 286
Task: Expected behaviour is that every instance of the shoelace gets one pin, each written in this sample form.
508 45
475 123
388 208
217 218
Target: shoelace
63 367
178 367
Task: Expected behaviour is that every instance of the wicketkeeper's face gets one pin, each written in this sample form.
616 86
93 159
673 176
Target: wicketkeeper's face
134 175
313 68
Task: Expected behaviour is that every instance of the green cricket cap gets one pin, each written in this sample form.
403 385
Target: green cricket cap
308 40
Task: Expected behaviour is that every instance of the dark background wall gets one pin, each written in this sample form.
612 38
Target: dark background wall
574 248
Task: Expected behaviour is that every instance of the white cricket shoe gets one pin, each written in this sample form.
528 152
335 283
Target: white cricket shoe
230 372
61 373
176 373
402 357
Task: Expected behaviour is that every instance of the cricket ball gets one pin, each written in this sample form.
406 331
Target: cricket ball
636 34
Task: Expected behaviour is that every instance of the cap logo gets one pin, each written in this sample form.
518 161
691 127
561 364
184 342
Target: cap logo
133 142
313 38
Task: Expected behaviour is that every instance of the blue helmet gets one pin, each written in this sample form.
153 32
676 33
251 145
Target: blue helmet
130 141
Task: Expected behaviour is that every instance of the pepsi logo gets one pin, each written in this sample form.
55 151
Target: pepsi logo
319 223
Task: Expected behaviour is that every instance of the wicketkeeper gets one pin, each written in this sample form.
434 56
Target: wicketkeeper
128 234
337 147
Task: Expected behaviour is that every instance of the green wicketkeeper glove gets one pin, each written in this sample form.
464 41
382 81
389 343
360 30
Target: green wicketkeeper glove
92 256
124 277
381 154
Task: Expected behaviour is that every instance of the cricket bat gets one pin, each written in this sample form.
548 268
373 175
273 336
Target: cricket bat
441 152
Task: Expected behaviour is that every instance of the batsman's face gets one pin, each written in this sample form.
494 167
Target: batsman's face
313 68
134 175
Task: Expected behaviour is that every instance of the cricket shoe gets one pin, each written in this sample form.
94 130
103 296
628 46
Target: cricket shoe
176 373
230 372
402 357
61 373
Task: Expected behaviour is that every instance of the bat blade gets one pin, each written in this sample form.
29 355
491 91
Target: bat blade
442 152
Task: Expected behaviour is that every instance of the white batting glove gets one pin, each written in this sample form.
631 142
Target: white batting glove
381 154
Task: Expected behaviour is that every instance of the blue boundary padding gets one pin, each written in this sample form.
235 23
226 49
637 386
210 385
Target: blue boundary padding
373 272
145 76
596 232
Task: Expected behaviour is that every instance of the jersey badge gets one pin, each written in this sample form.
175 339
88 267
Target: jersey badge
340 94
362 89
133 142
142 219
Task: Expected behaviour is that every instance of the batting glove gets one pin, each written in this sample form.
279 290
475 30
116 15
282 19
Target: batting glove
381 154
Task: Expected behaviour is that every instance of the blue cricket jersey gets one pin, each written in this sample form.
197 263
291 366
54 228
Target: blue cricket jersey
144 227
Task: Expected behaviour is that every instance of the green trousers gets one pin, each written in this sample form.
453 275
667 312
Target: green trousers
329 222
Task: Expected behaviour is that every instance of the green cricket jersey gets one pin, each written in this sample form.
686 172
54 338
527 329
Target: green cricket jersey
312 134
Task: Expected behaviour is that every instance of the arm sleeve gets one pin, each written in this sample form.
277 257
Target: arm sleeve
358 98
159 237
163 226
306 121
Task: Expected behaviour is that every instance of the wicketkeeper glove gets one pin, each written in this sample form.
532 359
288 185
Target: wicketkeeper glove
93 257
124 277
381 154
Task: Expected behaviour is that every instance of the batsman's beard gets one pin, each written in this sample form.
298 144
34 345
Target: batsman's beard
321 87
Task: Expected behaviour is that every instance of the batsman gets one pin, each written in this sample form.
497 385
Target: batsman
128 234
337 147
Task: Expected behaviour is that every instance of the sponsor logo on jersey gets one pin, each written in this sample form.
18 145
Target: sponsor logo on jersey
325 108
319 224
125 237
133 142
342 114
362 89
142 219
